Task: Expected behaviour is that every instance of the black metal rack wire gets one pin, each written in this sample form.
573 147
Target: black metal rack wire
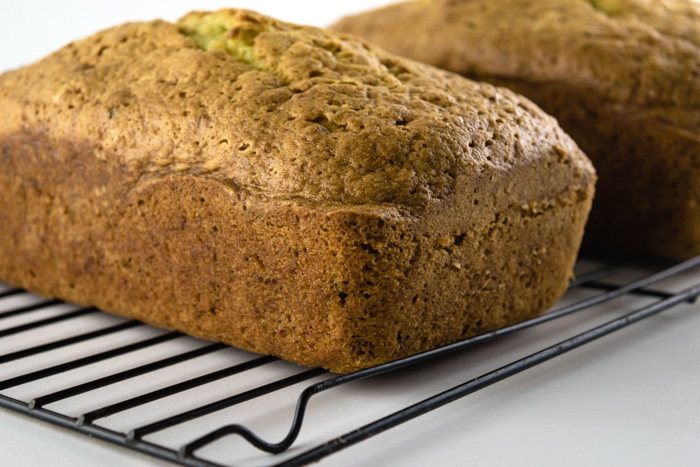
81 369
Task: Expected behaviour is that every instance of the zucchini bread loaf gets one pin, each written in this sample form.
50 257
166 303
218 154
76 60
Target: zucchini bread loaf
621 76
276 188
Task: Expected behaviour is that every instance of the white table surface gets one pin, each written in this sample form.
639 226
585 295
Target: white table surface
632 399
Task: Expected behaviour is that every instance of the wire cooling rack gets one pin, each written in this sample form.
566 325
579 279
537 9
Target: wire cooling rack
196 403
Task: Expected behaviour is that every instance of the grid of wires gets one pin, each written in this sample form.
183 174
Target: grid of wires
161 393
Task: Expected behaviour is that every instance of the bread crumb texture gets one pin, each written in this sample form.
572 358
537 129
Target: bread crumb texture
622 77
284 190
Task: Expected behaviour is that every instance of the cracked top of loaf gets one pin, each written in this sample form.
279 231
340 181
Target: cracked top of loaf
642 53
285 111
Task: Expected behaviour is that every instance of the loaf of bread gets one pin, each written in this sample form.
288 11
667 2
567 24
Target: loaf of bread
621 76
278 189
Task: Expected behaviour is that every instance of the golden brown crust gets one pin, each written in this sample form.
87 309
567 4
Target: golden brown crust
619 75
338 208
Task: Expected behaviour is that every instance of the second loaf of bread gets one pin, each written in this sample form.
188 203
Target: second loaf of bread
622 77
276 188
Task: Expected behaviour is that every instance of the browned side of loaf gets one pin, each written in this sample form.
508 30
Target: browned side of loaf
121 193
621 76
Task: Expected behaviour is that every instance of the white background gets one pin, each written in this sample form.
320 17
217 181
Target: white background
634 400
